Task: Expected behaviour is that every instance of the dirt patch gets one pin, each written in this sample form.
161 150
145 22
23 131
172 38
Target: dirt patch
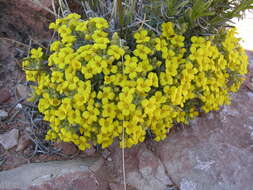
20 21
22 25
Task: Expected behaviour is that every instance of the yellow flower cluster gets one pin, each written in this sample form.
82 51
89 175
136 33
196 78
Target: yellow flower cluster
93 87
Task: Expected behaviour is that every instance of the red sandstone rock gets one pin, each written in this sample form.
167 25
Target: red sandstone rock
22 91
9 139
91 151
143 169
23 142
66 148
23 20
4 95
37 5
216 152
115 186
57 175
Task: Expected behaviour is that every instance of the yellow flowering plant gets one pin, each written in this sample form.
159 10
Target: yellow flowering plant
93 86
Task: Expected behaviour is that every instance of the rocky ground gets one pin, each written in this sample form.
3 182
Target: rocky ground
214 153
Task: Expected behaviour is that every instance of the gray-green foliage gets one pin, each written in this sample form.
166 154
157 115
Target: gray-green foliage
203 17
198 16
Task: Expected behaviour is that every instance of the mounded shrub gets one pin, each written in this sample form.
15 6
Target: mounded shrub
93 87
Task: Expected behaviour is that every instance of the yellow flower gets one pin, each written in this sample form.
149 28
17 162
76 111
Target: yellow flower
61 113
43 105
54 101
80 98
75 64
31 75
100 22
177 40
160 44
25 63
115 51
82 26
57 77
141 36
53 26
143 85
131 69
66 102
82 143
55 46
149 105
99 34
167 29
74 117
127 94
36 53
142 51
68 39
106 94
64 30
91 115
101 43
171 68
152 77
126 108
166 79
74 16
106 125
88 71
109 110
98 64
144 66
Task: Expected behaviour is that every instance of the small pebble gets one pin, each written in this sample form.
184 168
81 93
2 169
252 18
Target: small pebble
23 142
4 95
22 90
106 153
19 106
9 139
250 85
3 114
